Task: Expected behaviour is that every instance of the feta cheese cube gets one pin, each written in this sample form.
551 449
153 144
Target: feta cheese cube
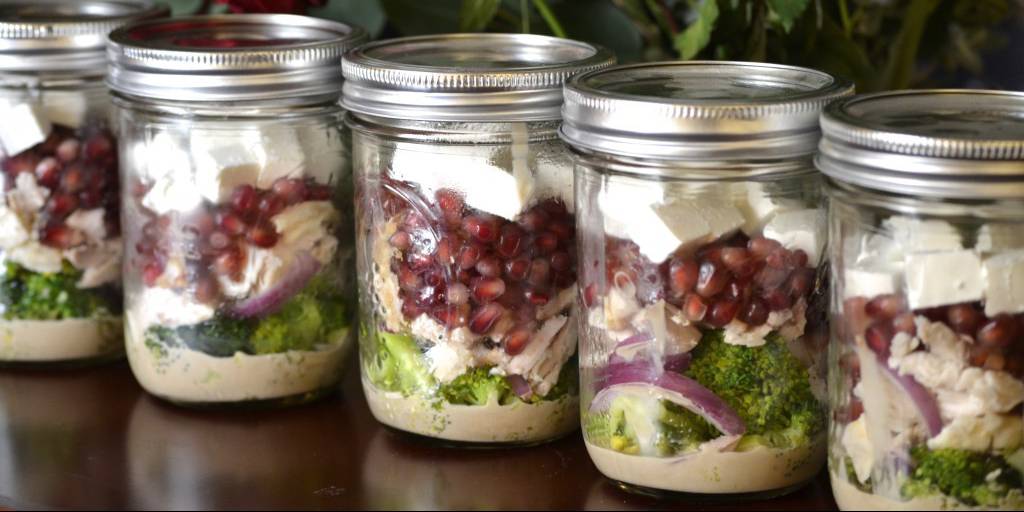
65 108
941 278
682 224
998 237
858 446
758 205
155 157
284 155
37 257
871 281
172 193
626 203
24 125
327 157
918 235
983 433
799 229
1004 283
12 232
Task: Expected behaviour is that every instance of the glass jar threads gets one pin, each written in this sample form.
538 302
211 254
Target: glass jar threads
236 204
702 286
465 233
60 240
927 354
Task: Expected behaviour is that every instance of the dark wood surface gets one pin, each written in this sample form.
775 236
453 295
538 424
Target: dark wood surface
93 439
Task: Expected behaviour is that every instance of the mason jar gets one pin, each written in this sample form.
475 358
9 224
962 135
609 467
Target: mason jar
236 206
927 355
465 233
60 240
702 281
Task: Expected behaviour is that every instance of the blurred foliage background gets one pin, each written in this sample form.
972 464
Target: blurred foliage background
880 44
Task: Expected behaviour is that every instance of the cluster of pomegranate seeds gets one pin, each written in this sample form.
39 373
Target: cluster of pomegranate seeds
80 171
998 342
738 278
468 268
216 236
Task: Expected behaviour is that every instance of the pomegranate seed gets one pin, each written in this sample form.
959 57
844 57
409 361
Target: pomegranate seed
540 272
694 307
533 221
450 202
229 264
231 223
964 318
457 294
485 317
798 259
711 253
561 261
885 306
683 275
736 291
734 257
62 204
59 236
451 316
489 266
411 310
722 312
995 362
151 272
407 279
801 282
878 337
855 409
904 323
517 340
24 162
73 179
546 243
319 192
488 289
48 172
91 198
978 355
400 240
290 190
590 295
754 313
999 332
480 228
98 147
67 151
510 243
711 279
469 256
206 290
443 252
270 205
760 247
263 235
777 259
218 240
770 278
553 207
245 200
564 280
778 300
537 297
562 230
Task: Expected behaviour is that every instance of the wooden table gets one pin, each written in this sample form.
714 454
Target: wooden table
94 439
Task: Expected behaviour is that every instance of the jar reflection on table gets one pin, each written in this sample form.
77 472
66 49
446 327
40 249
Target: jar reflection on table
702 285
60 240
237 209
927 351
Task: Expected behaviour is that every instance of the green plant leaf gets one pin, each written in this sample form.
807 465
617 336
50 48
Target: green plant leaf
903 53
416 17
475 15
549 17
601 22
788 11
368 14
696 36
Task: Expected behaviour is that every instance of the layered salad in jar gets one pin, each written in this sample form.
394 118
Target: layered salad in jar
927 389
469 259
703 334
237 288
60 239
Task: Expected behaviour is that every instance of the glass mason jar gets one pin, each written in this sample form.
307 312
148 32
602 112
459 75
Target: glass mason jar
927 355
60 241
702 280
465 234
236 206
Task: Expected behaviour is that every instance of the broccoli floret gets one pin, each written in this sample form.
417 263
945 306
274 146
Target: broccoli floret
975 479
220 336
767 386
306 320
395 363
28 295
478 387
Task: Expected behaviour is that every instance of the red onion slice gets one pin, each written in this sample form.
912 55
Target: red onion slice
302 269
520 386
923 400
683 391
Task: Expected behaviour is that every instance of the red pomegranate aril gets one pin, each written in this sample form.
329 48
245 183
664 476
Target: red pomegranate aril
562 230
419 261
711 279
778 300
694 307
886 306
411 310
517 340
408 280
964 318
761 247
62 204
450 202
485 317
270 205
734 257
722 312
218 240
683 275
206 290
319 192
546 243
591 295
469 256
561 261
245 200
231 223
754 313
736 291
480 228
67 151
798 259
91 198
540 272
489 266
73 179
48 172
879 337
534 220
229 264
777 259
290 190
904 322
488 289
263 235
801 282
511 242
995 362
58 236
450 316
400 240
98 147
457 293
537 297
998 332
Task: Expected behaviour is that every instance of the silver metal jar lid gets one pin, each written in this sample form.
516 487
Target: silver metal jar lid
466 77
64 36
237 57
938 143
699 110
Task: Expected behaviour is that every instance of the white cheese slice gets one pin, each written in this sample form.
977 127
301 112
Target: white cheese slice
918 235
759 205
22 126
1004 283
870 281
800 229
65 108
941 278
999 237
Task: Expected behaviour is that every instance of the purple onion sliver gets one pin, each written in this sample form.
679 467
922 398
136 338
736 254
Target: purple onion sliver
302 269
923 400
520 386
678 363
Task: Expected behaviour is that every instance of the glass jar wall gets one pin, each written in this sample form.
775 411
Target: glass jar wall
60 240
927 351
703 281
237 211
466 236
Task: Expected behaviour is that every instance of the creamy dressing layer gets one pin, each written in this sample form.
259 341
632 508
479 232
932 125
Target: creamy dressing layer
492 423
849 497
710 471
59 340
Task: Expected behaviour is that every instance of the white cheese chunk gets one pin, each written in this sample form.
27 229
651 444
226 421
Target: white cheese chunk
858 446
759 205
12 232
22 126
1004 283
681 224
325 153
917 235
37 257
447 361
941 278
226 157
800 229
161 306
90 223
870 282
172 193
65 108
284 155
160 155
999 237
981 433
626 203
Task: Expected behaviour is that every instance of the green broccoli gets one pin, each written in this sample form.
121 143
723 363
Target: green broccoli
220 336
306 320
395 363
676 430
767 386
682 430
28 295
478 387
975 479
